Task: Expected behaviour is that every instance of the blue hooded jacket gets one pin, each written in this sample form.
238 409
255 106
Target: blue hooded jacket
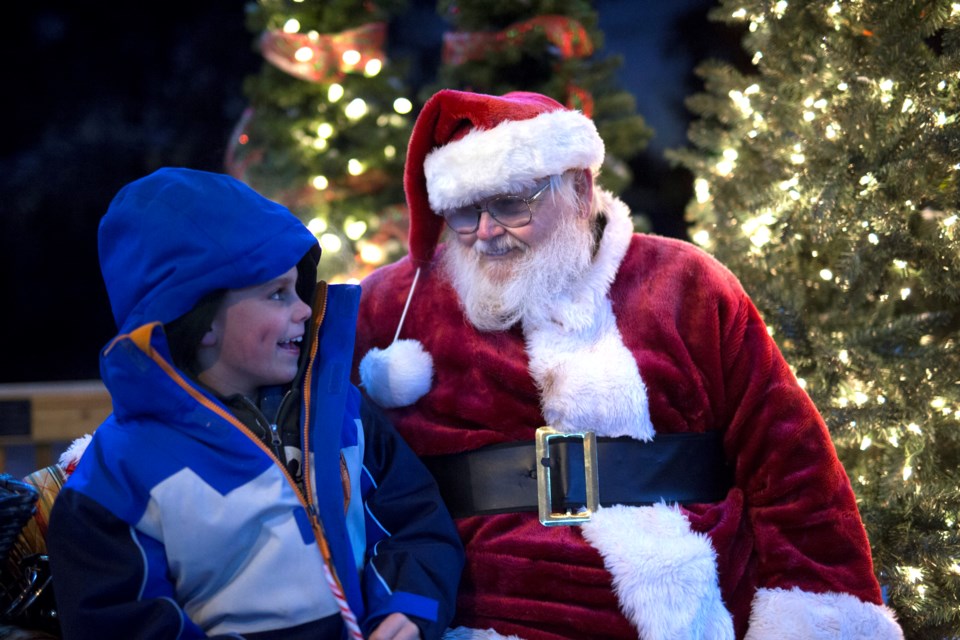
178 521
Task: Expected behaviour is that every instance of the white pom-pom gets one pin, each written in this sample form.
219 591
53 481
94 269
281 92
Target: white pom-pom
398 375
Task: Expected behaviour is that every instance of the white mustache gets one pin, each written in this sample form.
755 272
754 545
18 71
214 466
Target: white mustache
498 245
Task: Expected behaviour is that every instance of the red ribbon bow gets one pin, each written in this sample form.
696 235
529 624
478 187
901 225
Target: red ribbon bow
325 61
568 35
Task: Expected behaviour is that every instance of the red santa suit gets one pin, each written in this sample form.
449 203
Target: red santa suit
655 338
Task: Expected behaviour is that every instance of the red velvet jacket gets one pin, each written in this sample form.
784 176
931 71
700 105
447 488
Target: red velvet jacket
659 338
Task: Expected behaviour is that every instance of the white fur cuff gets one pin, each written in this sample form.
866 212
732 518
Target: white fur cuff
664 573
778 614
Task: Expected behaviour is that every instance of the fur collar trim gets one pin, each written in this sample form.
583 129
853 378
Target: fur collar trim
587 377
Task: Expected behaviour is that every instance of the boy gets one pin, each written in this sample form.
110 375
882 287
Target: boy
241 488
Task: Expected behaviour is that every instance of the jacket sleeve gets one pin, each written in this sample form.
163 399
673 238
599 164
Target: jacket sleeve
415 554
109 581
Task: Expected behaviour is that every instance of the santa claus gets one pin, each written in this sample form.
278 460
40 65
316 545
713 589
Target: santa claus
624 447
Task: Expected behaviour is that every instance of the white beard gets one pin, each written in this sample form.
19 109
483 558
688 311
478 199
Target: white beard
497 295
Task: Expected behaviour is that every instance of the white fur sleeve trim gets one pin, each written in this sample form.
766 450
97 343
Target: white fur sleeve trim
779 614
664 573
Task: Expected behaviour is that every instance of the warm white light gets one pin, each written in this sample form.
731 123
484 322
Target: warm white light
291 26
389 151
316 226
402 106
350 57
702 237
331 242
373 67
826 274
905 293
356 109
325 130
355 167
335 92
701 189
320 183
371 253
303 54
354 229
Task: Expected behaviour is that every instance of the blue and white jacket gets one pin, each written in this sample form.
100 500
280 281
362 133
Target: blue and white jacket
179 523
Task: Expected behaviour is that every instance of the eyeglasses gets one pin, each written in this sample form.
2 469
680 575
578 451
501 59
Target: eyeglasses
509 210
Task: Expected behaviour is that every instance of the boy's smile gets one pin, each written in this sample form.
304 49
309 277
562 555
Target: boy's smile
254 340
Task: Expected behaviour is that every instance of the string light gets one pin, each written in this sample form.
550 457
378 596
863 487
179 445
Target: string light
356 109
373 67
291 26
303 54
354 229
325 130
335 92
331 242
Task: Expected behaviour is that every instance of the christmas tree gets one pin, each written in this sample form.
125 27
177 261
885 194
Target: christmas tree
550 47
327 126
826 179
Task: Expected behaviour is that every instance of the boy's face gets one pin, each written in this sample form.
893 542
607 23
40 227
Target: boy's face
254 340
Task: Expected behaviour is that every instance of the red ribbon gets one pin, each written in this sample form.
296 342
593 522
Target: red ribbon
568 35
326 60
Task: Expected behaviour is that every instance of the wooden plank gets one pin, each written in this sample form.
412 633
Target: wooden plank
59 411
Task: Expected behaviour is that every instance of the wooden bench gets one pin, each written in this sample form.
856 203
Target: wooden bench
45 414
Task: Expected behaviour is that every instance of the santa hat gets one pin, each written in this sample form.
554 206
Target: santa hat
466 147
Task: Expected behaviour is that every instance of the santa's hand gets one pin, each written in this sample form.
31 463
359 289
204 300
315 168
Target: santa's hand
664 573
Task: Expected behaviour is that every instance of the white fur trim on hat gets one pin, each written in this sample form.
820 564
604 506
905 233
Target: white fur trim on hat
398 375
510 157
664 573
779 614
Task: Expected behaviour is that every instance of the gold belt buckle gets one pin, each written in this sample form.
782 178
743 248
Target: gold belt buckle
544 494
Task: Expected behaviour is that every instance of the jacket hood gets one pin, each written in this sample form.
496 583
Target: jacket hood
177 234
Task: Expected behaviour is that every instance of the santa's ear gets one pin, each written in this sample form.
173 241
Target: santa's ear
583 183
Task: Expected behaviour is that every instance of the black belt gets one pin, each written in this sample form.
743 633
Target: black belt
502 478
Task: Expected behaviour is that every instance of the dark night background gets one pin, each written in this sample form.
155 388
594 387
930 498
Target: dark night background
97 94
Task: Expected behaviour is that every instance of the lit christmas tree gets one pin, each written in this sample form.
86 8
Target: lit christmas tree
826 179
550 47
327 127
